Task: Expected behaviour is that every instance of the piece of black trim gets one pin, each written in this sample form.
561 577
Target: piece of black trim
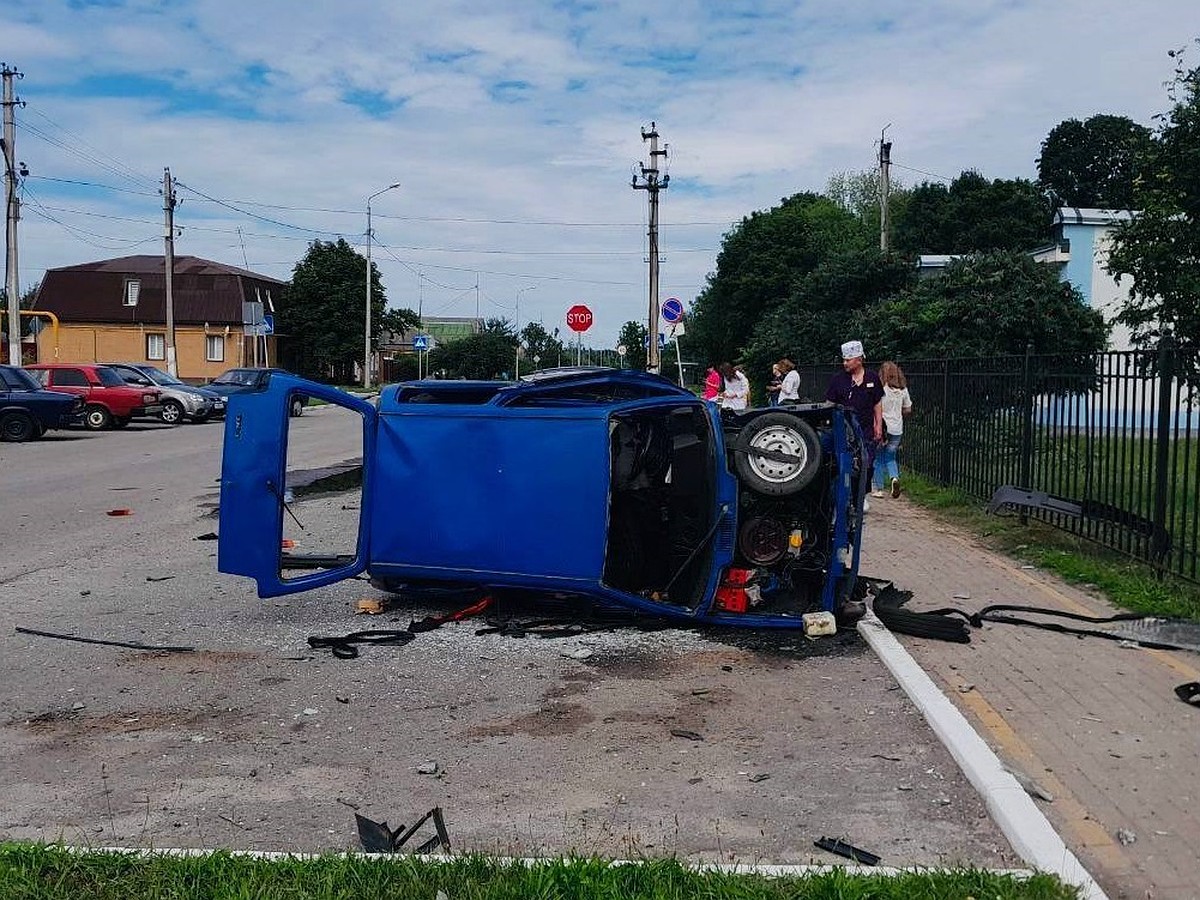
841 848
83 640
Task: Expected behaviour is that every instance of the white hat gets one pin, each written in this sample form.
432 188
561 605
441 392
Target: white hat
852 350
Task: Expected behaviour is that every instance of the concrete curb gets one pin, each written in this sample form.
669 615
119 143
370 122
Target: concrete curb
1027 829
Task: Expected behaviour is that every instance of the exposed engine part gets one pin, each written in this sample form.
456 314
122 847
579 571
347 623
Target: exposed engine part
763 540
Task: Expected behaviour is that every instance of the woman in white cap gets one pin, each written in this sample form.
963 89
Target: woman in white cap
860 390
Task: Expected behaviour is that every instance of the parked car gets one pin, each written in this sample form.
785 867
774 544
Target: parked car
27 411
608 486
179 400
240 381
108 400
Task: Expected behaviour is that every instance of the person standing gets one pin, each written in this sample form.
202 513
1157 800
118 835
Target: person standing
736 395
896 405
789 385
713 385
774 385
858 389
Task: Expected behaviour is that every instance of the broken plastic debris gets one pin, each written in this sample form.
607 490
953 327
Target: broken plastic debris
123 511
689 735
372 606
287 543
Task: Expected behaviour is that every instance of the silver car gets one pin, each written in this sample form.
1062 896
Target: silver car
179 400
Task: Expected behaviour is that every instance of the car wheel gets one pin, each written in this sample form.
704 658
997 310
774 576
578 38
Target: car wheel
96 417
120 421
777 433
297 406
172 412
16 427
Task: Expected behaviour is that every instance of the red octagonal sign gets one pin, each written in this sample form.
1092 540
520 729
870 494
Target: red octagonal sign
579 318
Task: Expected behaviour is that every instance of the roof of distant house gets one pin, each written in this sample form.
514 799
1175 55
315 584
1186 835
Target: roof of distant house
202 291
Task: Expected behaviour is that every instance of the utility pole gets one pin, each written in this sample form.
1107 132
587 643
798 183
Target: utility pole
652 185
12 214
168 193
885 161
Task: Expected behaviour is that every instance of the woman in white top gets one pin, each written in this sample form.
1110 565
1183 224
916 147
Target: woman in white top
789 385
896 405
737 388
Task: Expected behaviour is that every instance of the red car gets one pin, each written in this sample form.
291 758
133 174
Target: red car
108 400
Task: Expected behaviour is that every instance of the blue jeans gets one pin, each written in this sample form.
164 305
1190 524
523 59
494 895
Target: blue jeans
886 466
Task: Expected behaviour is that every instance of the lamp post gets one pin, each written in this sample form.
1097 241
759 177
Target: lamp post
517 366
367 330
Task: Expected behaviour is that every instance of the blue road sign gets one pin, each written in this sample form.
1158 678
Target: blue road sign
421 342
662 341
672 309
268 324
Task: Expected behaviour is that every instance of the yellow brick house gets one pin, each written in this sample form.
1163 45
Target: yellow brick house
115 311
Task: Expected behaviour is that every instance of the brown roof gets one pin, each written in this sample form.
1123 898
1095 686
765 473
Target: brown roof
201 291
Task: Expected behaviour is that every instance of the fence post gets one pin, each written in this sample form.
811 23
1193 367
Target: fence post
1026 474
1166 375
945 448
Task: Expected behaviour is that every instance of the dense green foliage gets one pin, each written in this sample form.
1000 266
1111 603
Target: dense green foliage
47 873
487 355
324 309
973 215
633 339
1095 163
758 266
990 304
1160 248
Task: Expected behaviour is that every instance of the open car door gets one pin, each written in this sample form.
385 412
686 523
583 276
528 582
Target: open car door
255 493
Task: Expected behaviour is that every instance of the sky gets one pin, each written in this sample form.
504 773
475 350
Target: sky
514 127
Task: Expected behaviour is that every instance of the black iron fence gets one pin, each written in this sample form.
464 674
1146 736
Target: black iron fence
1116 435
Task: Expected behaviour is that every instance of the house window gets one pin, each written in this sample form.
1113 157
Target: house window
133 287
214 348
156 346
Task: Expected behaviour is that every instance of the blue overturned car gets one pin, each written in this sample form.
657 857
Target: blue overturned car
27 411
615 487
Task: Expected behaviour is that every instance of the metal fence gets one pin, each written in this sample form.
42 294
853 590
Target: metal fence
1115 434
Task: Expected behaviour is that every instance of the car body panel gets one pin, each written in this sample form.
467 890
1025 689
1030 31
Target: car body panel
528 487
20 391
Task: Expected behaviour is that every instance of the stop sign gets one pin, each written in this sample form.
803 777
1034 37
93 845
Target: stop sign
579 318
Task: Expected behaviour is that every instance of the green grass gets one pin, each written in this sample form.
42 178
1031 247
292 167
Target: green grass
37 872
1126 582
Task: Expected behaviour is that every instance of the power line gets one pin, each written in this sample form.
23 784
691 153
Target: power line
118 166
922 172
243 212
107 187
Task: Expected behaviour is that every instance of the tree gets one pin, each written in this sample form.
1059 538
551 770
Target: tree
323 312
858 194
991 304
758 265
484 356
1159 249
1095 163
30 294
542 349
633 339
973 215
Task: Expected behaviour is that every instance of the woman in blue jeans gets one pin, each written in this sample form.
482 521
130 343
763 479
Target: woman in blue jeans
896 405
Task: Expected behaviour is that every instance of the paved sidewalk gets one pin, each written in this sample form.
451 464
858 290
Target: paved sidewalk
1095 725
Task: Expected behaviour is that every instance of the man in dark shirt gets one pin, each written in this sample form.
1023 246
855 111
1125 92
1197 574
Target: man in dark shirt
860 390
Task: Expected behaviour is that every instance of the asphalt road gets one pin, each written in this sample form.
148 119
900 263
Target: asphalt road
710 745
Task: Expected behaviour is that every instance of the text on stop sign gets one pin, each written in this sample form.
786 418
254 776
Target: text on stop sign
579 318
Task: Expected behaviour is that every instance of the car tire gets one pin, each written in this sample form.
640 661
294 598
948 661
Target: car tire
172 412
296 406
17 427
120 421
781 433
96 417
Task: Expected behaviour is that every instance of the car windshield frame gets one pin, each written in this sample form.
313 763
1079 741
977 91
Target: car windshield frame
17 379
110 377
159 377
238 377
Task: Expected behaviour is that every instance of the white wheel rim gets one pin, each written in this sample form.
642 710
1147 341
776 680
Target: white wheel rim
778 439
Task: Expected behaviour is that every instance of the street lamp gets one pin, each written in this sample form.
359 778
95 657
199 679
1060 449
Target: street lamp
367 334
517 367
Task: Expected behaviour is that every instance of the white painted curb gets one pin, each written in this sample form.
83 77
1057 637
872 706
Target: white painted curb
1027 829
768 870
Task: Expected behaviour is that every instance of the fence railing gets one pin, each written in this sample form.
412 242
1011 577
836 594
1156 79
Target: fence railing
1116 433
